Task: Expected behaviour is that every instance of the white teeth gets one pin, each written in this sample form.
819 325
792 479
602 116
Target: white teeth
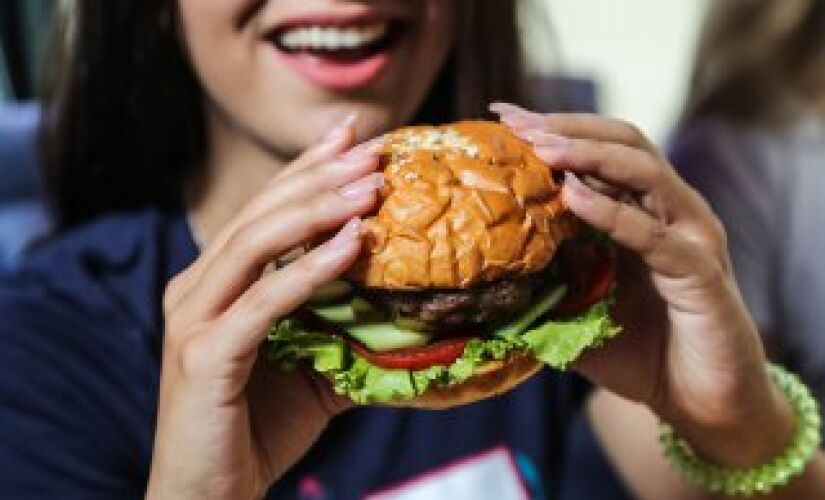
333 38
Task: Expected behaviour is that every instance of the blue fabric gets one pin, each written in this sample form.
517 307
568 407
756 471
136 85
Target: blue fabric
80 347
587 471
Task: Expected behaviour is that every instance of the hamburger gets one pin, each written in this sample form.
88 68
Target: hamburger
473 276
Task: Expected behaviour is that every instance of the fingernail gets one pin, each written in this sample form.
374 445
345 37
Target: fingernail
363 187
370 148
360 157
506 108
543 138
551 154
346 235
339 130
523 120
576 186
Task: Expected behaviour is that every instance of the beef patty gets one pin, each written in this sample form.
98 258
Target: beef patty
444 309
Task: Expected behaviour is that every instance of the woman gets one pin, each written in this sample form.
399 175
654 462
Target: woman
753 142
197 124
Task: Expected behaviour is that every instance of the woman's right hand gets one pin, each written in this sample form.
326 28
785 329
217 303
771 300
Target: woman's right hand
227 426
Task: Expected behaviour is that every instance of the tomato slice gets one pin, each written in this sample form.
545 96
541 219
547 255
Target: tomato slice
589 279
441 353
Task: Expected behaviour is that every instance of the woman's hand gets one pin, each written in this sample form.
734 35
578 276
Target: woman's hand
228 427
689 351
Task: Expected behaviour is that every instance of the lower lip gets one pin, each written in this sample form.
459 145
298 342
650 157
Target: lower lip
334 74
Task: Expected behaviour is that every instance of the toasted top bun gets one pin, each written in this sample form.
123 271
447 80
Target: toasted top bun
462 204
491 379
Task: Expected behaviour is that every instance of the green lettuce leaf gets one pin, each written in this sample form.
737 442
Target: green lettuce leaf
559 343
366 383
290 342
555 342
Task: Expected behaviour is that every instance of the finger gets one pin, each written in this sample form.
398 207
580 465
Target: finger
294 186
333 144
307 182
660 190
248 321
578 125
333 404
622 166
369 148
304 180
605 188
259 242
658 245
291 190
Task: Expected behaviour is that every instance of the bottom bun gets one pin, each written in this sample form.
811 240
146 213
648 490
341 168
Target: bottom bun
491 379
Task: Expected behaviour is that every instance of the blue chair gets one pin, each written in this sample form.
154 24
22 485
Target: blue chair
22 216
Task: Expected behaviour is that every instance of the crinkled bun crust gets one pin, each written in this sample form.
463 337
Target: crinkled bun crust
492 379
462 204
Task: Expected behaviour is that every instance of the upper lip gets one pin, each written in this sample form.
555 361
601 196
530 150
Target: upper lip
358 16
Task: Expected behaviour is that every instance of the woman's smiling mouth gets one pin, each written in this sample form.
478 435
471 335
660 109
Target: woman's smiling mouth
332 38
341 53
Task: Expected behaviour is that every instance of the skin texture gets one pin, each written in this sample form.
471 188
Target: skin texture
691 356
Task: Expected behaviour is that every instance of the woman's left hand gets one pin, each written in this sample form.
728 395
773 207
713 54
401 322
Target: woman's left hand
689 350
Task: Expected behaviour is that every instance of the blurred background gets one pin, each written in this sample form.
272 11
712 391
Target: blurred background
638 53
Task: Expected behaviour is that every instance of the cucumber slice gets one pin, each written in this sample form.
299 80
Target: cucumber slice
368 324
547 299
335 313
331 292
356 310
386 336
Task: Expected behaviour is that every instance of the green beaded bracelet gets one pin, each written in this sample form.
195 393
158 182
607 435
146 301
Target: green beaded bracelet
763 478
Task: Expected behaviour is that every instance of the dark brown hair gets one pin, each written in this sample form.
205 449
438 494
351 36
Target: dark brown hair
124 125
760 59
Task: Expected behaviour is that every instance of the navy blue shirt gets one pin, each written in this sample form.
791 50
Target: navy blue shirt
80 347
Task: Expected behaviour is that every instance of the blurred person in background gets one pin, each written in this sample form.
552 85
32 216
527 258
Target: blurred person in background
190 143
753 142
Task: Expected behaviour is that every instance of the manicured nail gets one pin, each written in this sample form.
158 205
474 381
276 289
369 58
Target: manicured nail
516 116
523 120
346 235
551 154
543 138
358 157
363 186
370 148
339 130
506 108
576 186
